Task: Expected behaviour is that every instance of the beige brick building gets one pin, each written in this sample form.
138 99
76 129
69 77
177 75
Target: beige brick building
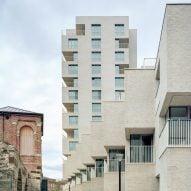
112 109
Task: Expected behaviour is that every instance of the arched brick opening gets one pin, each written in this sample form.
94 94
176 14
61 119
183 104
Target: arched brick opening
26 141
19 181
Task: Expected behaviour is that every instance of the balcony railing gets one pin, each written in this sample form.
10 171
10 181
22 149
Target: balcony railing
141 154
114 165
176 133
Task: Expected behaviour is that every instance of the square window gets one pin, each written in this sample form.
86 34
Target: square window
96 43
72 43
73 120
119 29
96 56
73 69
73 94
96 94
96 29
96 69
119 56
96 107
96 82
119 82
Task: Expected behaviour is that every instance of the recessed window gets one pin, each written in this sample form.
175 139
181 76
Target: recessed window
96 107
75 107
178 112
96 82
72 145
119 95
73 69
119 29
96 94
96 56
72 43
96 118
73 120
96 69
119 56
76 134
96 43
119 82
96 29
73 94
75 56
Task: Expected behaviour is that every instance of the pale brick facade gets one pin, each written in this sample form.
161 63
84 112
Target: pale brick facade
150 128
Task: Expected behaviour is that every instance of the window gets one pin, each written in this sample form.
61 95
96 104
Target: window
141 148
72 145
76 134
75 107
75 56
80 29
96 69
119 95
96 118
96 107
26 141
113 159
96 56
72 43
119 56
96 43
178 112
96 29
116 43
119 29
73 69
117 69
119 82
75 82
99 167
96 94
73 94
96 82
73 120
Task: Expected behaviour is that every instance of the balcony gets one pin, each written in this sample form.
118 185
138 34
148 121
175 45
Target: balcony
176 133
80 29
70 56
141 154
121 43
71 81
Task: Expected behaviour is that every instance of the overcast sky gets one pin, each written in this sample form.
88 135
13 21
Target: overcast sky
30 55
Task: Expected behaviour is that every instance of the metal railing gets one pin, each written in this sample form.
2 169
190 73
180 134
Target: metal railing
141 154
176 133
114 165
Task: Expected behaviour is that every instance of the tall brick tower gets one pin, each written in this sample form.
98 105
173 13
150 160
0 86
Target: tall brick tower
24 129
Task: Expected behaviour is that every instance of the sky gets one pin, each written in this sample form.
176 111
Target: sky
30 55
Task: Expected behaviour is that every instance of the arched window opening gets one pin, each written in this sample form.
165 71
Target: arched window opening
26 141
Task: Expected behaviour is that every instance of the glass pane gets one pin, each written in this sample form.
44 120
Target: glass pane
96 107
96 56
72 145
76 133
73 94
96 29
75 107
96 82
119 56
73 120
96 69
72 43
178 112
96 94
119 29
119 82
96 118
96 43
73 69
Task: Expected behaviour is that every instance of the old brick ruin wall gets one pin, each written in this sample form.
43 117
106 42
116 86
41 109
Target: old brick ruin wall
13 174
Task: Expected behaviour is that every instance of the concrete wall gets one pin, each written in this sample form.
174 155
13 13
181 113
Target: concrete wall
140 177
175 169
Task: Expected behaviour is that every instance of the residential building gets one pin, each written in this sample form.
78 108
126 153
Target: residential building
149 126
21 132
